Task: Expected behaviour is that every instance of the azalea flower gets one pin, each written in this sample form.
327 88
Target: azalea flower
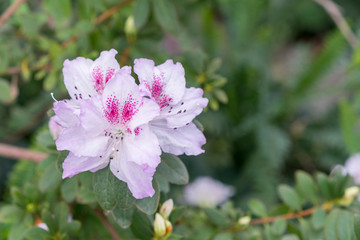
207 192
352 167
111 128
165 84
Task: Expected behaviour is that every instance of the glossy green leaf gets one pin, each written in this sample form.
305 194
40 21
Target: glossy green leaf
257 208
173 169
349 120
123 216
165 15
18 231
69 188
141 12
356 226
306 186
224 236
51 178
289 196
324 186
103 181
290 237
141 226
177 213
10 214
36 233
278 227
217 217
149 205
163 184
318 218
330 225
124 197
344 226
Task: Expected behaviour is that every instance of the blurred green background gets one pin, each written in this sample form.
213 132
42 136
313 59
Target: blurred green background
281 79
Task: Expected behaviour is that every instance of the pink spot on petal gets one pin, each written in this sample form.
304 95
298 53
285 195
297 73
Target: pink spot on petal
137 131
98 77
109 74
129 109
157 90
112 110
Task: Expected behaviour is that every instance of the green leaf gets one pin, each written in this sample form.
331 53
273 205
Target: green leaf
5 90
217 217
306 186
17 231
324 185
290 237
149 205
69 188
344 226
278 227
224 236
173 169
257 208
330 225
36 233
17 196
163 184
72 227
124 196
318 218
141 226
349 121
123 216
356 226
289 196
103 181
10 214
141 12
60 11
165 15
61 216
177 213
51 178
221 95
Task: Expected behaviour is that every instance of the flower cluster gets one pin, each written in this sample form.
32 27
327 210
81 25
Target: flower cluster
111 120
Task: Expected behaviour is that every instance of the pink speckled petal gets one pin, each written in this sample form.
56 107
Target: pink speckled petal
104 68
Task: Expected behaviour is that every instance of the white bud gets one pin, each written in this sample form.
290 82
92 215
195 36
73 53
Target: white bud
166 208
244 221
159 226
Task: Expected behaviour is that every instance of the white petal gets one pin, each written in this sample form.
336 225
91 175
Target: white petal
188 139
77 78
147 111
186 110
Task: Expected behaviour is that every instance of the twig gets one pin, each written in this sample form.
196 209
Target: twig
333 10
10 11
326 206
107 224
111 11
17 153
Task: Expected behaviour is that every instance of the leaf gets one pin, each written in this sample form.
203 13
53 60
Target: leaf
165 15
349 121
257 208
51 178
60 11
36 233
356 226
69 188
324 185
141 226
318 218
177 213
5 91
124 197
103 181
173 169
330 225
278 227
10 214
149 205
290 237
289 197
217 217
344 226
221 95
141 12
224 236
163 184
17 231
61 216
306 186
123 216
72 227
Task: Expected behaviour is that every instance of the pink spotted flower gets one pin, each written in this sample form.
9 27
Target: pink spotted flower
165 84
112 128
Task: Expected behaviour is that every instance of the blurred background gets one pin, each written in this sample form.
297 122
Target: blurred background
280 76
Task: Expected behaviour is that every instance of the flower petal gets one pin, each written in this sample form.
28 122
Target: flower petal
91 116
82 143
138 178
103 69
147 112
67 113
186 110
188 139
164 83
73 164
77 78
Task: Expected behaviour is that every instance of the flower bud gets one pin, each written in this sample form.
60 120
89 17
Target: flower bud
244 221
350 194
166 208
159 226
130 29
168 226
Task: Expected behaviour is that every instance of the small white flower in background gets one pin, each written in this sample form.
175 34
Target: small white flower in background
207 192
352 167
